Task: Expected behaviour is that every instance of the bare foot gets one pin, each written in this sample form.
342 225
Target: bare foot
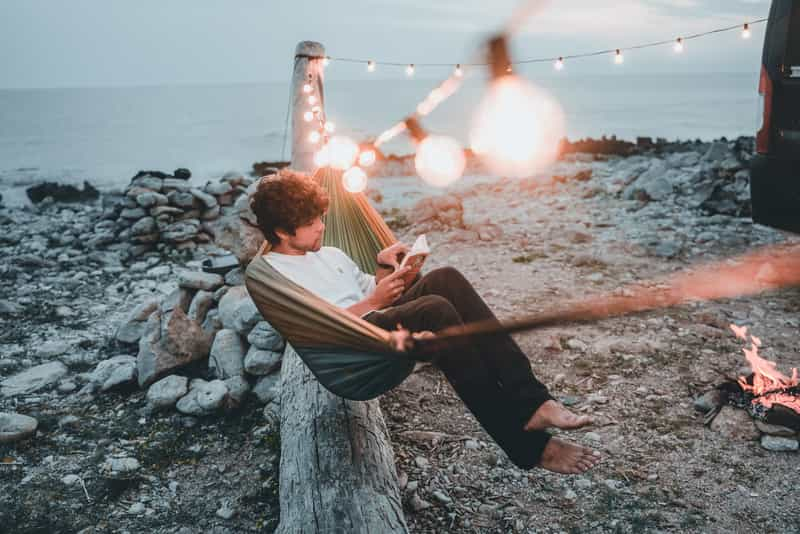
567 458
553 414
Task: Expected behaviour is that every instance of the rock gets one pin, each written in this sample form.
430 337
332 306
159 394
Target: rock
570 495
120 467
441 497
181 199
422 462
61 192
207 200
218 188
166 392
32 379
238 311
667 249
261 362
733 423
49 349
268 388
150 199
148 182
169 344
199 280
417 504
446 210
144 226
180 231
238 388
227 355
131 330
182 173
201 303
263 336
69 480
707 401
203 397
133 213
683 159
583 483
236 236
225 511
234 277
14 427
180 298
577 344
653 184
10 308
778 443
136 508
176 184
775 430
718 151
160 211
114 371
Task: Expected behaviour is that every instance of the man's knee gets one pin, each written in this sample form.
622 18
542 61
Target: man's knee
438 311
447 275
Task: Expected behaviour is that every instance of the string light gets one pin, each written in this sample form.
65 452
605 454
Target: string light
517 127
308 116
322 157
330 127
618 57
367 158
354 180
559 64
440 160
509 70
326 61
316 109
678 47
459 72
307 88
410 70
312 99
746 31
370 66
342 152
314 137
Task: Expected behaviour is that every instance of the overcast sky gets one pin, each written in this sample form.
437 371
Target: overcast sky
100 43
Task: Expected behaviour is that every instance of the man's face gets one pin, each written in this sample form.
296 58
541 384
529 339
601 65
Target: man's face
308 237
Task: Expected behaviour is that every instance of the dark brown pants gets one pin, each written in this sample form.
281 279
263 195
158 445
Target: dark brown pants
491 375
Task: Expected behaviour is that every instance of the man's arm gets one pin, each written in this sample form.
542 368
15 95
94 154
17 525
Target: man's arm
386 292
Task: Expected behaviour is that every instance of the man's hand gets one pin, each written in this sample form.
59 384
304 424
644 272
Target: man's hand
389 289
391 255
403 340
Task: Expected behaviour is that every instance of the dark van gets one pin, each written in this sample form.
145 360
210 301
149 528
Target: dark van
775 169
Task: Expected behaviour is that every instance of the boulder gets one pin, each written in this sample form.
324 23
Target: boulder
263 336
736 424
199 280
238 311
207 200
182 173
33 379
61 192
201 303
145 225
146 181
268 387
149 199
14 427
203 397
261 362
166 392
180 231
182 199
168 344
446 210
227 355
115 371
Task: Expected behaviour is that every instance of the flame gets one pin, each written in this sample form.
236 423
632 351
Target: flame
769 385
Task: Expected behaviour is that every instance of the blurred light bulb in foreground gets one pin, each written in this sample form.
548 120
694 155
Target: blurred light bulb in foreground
370 66
326 61
517 127
314 137
354 179
307 88
746 31
440 160
367 158
459 72
322 157
342 152
312 99
678 47
330 127
618 57
410 70
308 116
559 64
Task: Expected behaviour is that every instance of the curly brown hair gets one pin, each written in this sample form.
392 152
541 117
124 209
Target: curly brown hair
287 201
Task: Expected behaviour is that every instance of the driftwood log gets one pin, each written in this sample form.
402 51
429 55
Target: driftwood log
337 470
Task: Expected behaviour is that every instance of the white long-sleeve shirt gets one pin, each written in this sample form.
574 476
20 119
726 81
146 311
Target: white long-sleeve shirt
328 273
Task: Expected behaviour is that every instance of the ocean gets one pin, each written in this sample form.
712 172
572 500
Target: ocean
106 135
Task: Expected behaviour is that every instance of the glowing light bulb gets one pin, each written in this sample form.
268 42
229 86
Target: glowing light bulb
559 64
330 127
312 99
746 31
370 66
322 157
410 70
315 109
326 61
678 47
509 70
459 72
342 152
308 116
307 88
619 58
517 127
440 160
314 137
367 158
354 180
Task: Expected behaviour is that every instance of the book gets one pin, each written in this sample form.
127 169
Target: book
417 254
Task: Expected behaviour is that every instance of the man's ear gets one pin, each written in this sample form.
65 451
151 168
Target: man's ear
282 234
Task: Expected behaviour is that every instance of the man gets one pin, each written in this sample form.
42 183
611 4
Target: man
491 375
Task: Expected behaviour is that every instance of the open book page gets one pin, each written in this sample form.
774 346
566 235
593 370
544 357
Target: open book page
416 257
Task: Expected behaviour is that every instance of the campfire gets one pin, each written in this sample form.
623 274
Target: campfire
769 396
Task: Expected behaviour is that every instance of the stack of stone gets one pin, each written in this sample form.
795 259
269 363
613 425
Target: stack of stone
167 211
211 332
